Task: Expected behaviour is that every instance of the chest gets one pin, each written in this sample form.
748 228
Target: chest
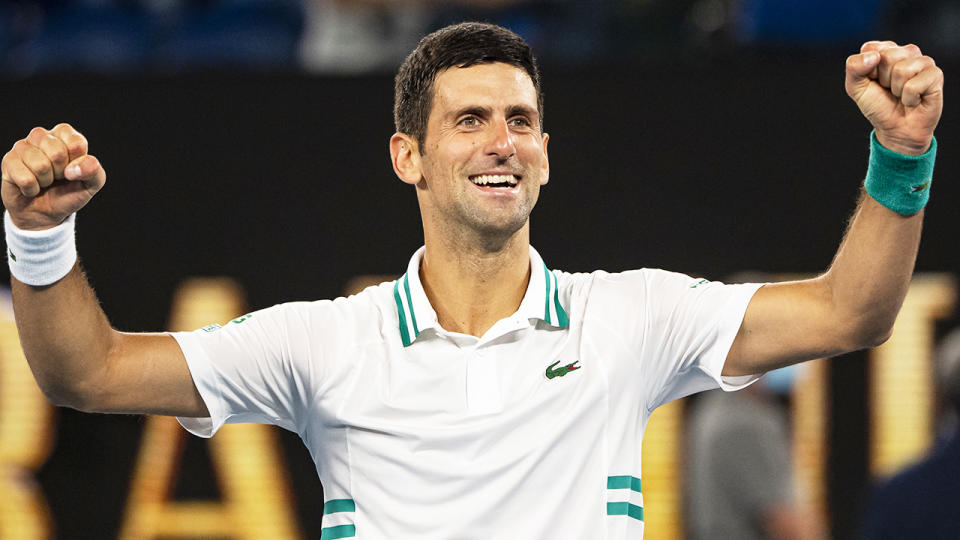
518 393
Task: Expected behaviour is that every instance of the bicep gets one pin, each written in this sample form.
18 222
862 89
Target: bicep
786 323
148 374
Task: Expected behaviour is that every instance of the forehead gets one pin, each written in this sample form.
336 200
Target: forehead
492 85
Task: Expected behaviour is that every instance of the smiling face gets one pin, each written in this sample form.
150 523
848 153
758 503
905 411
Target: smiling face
484 158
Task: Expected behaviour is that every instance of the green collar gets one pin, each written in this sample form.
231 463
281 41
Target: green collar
541 301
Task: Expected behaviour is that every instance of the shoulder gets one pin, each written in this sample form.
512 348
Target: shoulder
643 278
630 288
350 318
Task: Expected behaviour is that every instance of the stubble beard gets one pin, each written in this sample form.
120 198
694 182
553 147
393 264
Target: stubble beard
490 232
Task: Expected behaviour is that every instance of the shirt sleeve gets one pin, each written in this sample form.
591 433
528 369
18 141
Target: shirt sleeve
689 325
250 370
677 328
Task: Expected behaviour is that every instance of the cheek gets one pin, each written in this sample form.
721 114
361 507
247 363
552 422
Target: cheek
532 154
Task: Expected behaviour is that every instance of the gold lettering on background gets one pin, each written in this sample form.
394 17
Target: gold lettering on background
810 411
901 377
26 438
662 480
250 471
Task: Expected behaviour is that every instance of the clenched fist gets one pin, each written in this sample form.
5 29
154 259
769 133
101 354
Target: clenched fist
47 176
900 91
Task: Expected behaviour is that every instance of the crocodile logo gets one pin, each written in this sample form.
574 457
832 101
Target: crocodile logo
561 371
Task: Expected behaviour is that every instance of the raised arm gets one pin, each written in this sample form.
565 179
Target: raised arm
78 359
854 304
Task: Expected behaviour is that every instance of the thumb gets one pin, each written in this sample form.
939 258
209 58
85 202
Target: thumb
88 170
860 71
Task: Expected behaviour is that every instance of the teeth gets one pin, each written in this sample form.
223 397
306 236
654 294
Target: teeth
495 179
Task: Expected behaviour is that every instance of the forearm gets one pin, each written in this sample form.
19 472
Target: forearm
870 274
65 336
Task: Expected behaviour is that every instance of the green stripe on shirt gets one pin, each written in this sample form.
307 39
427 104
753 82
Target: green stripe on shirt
624 482
339 505
340 531
625 509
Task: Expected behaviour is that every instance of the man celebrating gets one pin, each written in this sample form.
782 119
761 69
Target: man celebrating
481 395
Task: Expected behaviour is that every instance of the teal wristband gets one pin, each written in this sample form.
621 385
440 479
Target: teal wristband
898 181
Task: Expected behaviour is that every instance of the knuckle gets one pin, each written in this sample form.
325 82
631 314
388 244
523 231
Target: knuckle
22 180
56 152
77 144
58 155
41 167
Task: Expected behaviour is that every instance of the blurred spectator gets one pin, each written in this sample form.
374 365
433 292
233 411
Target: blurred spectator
922 501
739 481
357 36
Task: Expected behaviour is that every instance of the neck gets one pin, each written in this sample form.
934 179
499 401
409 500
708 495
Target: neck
471 286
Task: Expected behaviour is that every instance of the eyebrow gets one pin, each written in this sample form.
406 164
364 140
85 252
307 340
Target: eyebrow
522 110
473 110
513 110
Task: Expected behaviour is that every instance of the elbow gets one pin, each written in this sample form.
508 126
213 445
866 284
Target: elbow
67 395
879 337
59 395
80 393
867 336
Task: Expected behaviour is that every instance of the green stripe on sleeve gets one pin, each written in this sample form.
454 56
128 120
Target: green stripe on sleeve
340 531
404 334
339 505
624 482
413 315
625 509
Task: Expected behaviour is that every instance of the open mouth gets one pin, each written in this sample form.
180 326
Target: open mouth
495 180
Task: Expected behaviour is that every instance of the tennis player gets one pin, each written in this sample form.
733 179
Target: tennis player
481 395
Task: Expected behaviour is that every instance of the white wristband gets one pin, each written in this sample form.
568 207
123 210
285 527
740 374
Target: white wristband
40 257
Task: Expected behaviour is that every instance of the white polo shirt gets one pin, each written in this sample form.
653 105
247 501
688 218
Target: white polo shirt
531 431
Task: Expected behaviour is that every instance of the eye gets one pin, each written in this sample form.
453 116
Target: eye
520 121
469 121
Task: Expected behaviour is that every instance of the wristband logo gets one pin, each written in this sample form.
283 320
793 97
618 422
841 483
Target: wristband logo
12 256
916 189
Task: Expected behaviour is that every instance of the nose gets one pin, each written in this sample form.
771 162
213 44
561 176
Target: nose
500 142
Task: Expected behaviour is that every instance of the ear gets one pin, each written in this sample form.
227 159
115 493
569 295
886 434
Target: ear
405 156
545 166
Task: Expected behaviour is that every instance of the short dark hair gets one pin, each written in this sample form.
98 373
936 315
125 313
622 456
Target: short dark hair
461 45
